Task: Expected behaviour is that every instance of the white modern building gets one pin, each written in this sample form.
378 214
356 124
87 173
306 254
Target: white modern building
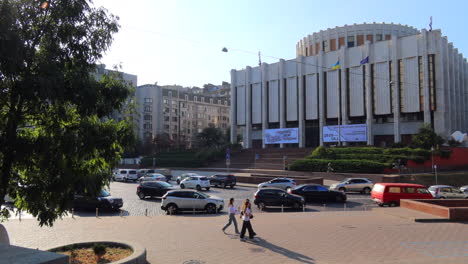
390 78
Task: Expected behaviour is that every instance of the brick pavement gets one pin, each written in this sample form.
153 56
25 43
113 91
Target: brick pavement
322 238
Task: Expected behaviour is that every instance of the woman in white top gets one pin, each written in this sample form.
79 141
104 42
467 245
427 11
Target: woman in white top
246 215
232 216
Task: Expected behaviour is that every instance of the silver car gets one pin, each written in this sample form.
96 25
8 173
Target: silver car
180 200
184 176
362 185
464 189
447 191
280 183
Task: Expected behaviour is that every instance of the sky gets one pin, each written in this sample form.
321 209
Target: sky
180 41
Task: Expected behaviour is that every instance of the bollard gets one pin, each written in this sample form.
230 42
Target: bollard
303 208
282 208
73 212
97 212
121 213
344 207
146 212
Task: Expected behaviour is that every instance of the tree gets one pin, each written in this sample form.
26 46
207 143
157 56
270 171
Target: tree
426 138
53 137
162 142
210 136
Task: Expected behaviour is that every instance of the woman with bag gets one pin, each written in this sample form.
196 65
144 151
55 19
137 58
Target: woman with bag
232 216
246 215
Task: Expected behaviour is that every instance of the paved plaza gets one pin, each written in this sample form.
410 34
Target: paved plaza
384 235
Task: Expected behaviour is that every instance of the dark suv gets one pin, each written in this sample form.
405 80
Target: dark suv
223 180
277 197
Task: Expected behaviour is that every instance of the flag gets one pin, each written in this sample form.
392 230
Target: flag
336 65
365 60
430 25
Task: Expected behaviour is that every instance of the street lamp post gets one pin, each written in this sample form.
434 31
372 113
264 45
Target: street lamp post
432 159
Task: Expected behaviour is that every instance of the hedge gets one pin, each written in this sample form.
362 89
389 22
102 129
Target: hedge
358 166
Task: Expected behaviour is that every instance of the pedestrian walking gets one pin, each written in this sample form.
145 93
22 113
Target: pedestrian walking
232 216
246 215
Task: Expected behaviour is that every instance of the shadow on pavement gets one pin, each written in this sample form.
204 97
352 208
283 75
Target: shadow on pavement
280 250
199 214
102 212
286 210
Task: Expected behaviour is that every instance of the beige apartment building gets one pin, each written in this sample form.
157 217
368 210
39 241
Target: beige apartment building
180 113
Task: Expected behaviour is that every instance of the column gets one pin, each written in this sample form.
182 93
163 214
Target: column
396 91
282 96
264 78
301 98
369 106
441 114
344 89
321 88
425 65
233 114
248 111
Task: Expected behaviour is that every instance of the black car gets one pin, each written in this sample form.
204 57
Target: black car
223 180
276 197
316 193
103 200
153 188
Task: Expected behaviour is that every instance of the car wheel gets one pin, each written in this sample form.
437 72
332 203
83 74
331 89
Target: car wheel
297 206
182 186
216 185
232 187
210 208
342 189
442 197
366 190
207 188
198 188
393 204
261 206
380 204
171 209
141 195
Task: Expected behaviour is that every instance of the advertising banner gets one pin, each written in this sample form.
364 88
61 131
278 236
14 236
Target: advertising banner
347 133
281 135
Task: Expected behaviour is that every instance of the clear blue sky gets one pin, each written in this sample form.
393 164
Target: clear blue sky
180 42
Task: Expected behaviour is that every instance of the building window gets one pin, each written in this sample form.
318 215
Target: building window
388 37
378 37
311 50
325 46
421 84
211 100
148 100
195 98
306 51
165 101
174 118
147 117
166 118
174 102
341 42
186 97
317 47
166 110
225 102
166 127
147 126
148 135
203 99
170 93
332 44
370 38
432 94
148 108
401 77
360 40
350 41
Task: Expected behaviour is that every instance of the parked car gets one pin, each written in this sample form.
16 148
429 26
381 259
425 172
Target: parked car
281 183
153 177
195 182
464 189
166 172
175 201
361 185
121 175
223 180
153 189
276 197
391 193
315 192
184 176
103 200
446 191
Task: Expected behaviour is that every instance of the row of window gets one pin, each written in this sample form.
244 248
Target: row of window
195 99
351 41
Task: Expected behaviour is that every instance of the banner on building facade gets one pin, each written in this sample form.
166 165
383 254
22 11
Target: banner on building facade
281 135
347 133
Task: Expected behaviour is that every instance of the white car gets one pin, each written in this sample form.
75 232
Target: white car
195 182
281 183
153 177
180 200
447 192
464 189
184 176
126 175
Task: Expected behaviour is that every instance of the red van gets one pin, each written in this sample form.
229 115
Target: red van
391 193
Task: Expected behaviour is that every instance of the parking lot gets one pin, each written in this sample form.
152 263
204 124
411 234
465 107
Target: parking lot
152 206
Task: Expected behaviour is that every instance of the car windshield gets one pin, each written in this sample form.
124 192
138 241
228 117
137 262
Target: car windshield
132 172
155 175
104 193
165 184
203 195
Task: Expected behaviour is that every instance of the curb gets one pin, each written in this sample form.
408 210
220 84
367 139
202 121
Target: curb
138 256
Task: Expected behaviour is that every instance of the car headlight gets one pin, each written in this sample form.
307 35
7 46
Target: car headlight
111 201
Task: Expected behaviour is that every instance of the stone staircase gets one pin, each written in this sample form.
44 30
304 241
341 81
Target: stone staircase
269 159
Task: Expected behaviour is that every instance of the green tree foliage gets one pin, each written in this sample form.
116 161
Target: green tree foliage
427 138
211 137
53 137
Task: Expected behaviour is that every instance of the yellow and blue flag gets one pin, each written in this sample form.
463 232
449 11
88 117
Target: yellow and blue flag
336 65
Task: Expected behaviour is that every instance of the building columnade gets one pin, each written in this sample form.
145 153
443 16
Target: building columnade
390 77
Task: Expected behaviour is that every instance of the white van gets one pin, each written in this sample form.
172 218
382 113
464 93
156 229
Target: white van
121 175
